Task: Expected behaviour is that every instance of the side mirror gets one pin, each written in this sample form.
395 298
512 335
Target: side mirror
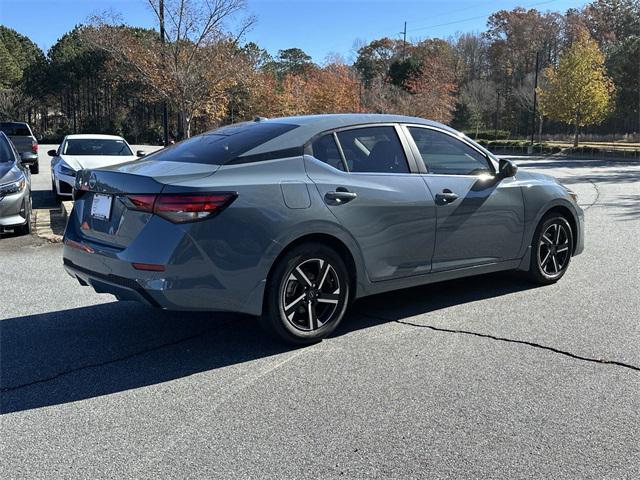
506 168
28 158
52 153
141 153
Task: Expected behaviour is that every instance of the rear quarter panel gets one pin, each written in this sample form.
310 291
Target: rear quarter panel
241 244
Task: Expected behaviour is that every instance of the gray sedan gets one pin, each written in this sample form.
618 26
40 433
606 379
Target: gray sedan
290 219
15 188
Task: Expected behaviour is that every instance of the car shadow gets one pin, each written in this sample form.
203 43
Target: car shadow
43 199
75 354
597 170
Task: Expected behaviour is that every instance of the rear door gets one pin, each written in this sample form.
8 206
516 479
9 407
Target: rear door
364 177
480 218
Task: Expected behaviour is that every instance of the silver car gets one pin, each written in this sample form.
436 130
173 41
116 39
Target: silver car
290 219
15 188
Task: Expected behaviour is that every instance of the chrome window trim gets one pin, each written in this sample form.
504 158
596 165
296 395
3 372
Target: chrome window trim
412 164
421 163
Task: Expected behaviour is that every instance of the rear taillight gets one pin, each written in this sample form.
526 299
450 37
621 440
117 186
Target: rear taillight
34 147
180 208
142 202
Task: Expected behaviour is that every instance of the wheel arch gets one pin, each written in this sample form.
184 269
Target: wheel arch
339 246
566 212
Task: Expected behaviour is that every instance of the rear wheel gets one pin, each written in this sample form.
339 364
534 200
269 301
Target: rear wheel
551 250
35 168
307 294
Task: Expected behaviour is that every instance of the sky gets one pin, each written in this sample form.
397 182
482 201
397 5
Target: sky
319 27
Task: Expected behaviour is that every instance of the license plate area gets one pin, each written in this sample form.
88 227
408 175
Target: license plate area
101 206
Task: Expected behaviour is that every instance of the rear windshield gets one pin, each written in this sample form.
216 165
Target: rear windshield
96 146
15 129
220 146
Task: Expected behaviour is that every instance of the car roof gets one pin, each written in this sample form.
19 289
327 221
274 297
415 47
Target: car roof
95 136
311 125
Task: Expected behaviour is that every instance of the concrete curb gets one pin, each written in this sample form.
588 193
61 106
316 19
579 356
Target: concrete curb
49 223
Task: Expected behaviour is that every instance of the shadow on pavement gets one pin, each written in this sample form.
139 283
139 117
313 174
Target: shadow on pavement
617 170
43 199
70 355
410 302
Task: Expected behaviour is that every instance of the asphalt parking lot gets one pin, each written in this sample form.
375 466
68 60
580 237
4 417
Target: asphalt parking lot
482 377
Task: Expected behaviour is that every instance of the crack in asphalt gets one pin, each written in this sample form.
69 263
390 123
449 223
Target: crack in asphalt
108 362
602 361
595 200
575 356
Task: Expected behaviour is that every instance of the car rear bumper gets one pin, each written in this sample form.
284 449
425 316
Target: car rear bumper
122 288
29 156
192 279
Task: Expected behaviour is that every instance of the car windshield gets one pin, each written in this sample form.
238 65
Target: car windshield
96 146
15 129
224 144
6 154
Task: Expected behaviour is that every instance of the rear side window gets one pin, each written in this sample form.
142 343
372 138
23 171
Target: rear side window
223 145
15 129
326 150
374 150
445 155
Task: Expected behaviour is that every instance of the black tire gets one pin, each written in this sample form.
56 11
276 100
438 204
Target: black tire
57 198
309 278
35 168
551 250
26 229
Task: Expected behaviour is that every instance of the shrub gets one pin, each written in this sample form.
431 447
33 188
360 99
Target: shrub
488 134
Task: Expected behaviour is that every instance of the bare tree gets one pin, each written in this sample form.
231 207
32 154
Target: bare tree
479 97
524 97
195 67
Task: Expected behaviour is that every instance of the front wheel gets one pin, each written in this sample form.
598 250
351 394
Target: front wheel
307 294
551 250
27 228
56 198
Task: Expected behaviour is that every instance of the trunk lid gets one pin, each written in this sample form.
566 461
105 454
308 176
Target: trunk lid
22 143
110 186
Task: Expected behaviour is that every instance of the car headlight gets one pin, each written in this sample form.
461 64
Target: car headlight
67 170
13 187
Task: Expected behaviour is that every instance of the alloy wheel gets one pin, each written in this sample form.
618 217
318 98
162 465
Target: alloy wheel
311 294
553 250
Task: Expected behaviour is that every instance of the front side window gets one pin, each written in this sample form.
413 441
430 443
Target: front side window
446 155
326 150
374 150
6 152
96 146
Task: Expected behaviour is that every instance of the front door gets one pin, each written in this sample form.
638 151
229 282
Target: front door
363 176
480 218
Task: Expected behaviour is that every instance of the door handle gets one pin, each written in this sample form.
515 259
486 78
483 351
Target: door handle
446 197
339 196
